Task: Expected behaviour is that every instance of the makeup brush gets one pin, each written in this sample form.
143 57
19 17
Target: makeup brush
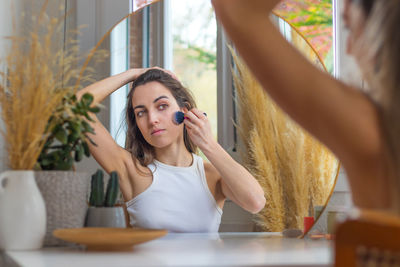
179 116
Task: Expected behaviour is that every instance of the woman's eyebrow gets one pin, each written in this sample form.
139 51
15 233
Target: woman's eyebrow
160 97
138 106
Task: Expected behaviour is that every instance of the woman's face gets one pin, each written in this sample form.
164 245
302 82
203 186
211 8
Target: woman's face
154 107
354 19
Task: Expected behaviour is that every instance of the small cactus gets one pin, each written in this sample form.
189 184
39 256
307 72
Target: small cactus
97 198
97 189
112 190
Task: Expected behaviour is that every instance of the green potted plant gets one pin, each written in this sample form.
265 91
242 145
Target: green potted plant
67 141
103 211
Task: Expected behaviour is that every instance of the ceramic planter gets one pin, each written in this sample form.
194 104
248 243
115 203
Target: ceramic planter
65 195
105 217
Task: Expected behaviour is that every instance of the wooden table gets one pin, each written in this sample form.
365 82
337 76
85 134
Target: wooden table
224 249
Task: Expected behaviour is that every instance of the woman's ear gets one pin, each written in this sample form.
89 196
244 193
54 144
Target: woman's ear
186 107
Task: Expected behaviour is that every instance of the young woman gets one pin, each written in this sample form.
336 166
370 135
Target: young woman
165 184
362 129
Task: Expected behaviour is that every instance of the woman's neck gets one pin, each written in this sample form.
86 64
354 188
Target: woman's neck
175 155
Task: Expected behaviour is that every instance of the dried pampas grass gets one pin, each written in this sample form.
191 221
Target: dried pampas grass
294 170
39 74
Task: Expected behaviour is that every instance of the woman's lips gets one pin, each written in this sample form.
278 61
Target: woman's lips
157 132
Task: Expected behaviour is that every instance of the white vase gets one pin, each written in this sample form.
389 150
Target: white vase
22 212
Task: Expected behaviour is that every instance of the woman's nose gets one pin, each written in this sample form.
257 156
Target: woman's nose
153 118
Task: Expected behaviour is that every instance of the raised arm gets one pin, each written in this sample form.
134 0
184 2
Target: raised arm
102 89
340 116
107 152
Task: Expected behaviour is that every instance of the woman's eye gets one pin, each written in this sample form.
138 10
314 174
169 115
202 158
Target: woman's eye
139 114
162 106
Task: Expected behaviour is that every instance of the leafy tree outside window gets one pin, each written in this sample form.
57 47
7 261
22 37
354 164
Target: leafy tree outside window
313 18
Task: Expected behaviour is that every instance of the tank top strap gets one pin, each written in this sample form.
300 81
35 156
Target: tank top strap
202 173
152 167
198 162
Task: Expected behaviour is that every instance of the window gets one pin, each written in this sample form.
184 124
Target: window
194 52
119 63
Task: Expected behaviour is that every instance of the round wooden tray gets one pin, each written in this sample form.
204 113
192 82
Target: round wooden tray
108 239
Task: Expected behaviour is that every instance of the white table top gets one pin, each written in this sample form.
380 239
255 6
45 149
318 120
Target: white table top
224 249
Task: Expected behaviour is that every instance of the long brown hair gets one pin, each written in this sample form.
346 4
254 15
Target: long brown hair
142 151
381 42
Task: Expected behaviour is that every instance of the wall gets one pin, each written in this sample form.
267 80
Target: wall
5 30
11 12
98 16
346 70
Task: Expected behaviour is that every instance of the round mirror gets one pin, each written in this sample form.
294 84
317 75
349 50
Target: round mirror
296 172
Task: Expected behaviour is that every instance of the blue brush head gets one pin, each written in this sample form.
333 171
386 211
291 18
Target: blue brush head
178 118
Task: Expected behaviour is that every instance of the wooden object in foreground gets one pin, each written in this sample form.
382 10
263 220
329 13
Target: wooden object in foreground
369 239
108 239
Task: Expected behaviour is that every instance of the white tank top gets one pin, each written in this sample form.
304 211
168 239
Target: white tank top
178 200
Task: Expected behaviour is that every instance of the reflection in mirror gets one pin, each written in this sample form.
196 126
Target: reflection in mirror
313 19
296 172
184 40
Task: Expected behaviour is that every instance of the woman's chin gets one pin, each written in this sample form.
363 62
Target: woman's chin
160 143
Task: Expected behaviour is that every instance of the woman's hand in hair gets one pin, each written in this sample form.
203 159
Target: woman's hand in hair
199 129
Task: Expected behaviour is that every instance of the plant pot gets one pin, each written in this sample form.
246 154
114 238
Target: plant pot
106 217
22 212
65 195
